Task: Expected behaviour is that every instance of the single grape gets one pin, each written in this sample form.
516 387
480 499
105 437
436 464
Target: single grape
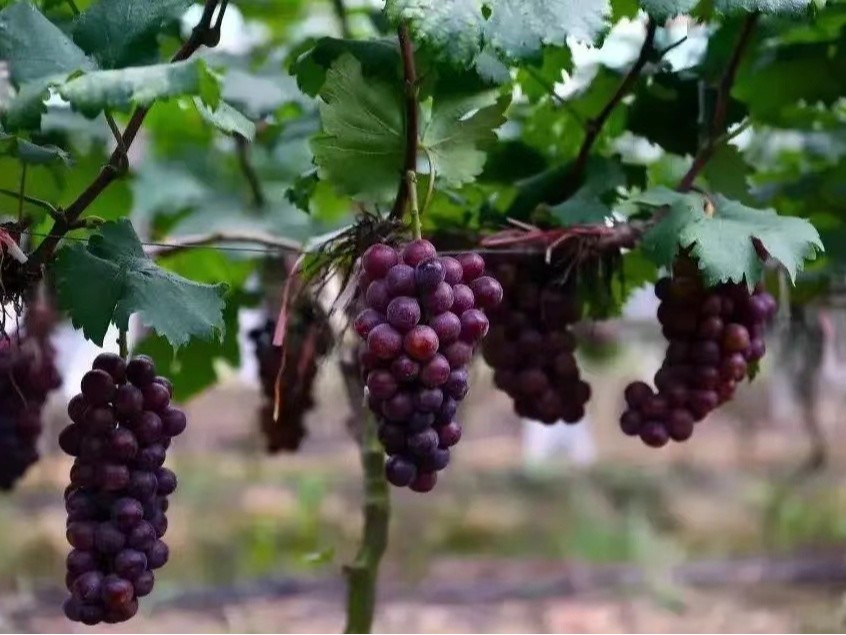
631 422
88 586
735 338
654 434
474 325
143 584
113 364
462 299
112 477
447 327
472 265
458 354
80 534
439 300
70 439
98 387
428 399
141 536
435 372
457 383
128 401
142 484
77 407
401 281
378 260
166 480
417 251
116 592
400 471
453 271
141 370
449 435
157 555
429 274
487 292
403 313
366 321
421 343
130 563
424 482
126 513
392 437
147 427
123 445
399 407
405 369
164 381
377 296
384 342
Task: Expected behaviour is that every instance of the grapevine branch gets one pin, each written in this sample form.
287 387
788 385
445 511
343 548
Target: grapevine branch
411 120
717 127
242 149
206 33
343 18
594 126
202 240
363 572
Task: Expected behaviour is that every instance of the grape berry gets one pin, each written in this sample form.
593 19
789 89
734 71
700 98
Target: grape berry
424 316
531 347
122 425
714 335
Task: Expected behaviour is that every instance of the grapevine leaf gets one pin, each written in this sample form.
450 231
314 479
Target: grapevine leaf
300 193
661 241
451 27
724 246
227 119
587 204
24 110
360 147
723 243
34 47
519 28
111 278
119 33
140 86
664 9
762 6
32 153
378 58
727 172
459 126
460 30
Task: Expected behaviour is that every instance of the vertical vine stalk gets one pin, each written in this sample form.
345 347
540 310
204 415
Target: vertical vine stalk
411 119
363 573
414 206
123 346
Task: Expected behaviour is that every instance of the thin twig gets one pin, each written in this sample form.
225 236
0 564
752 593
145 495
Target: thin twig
558 99
203 34
672 46
242 149
411 119
718 122
200 240
363 573
31 200
124 161
123 347
595 125
74 9
343 18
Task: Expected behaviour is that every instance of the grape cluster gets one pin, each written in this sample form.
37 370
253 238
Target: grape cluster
424 316
714 335
27 375
117 498
307 340
531 347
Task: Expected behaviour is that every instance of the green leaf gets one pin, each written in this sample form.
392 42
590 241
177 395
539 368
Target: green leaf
663 9
588 205
451 27
31 153
24 110
34 47
727 172
360 147
378 58
461 29
140 86
227 119
111 278
661 241
119 33
723 242
300 193
459 126
762 6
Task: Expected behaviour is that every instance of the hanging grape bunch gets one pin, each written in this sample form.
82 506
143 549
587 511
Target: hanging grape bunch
27 375
424 317
307 341
714 335
122 425
531 347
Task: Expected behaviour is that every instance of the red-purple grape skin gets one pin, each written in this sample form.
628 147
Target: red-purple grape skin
474 325
401 281
405 369
435 372
141 370
440 300
403 313
429 274
424 482
400 471
447 327
421 343
113 364
487 292
378 260
473 266
416 251
381 384
453 271
384 342
449 435
377 296
366 321
97 387
462 299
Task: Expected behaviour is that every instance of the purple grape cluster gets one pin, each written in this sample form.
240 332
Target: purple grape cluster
714 335
531 347
27 375
307 341
117 498
424 316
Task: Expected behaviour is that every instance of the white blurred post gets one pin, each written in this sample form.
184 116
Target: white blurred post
557 444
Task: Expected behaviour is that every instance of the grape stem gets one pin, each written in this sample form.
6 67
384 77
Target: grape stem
242 149
363 572
206 33
411 178
411 120
123 347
